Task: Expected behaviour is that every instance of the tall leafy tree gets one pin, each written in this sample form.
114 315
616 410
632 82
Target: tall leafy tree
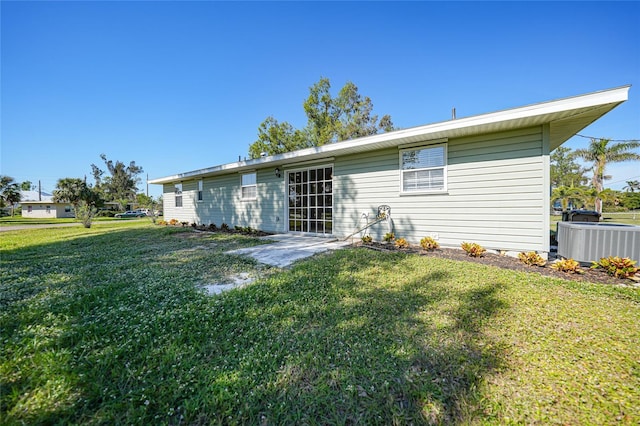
565 170
120 185
277 138
601 152
9 192
27 185
330 119
84 199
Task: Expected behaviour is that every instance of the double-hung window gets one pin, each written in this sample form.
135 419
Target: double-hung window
249 186
178 194
200 188
424 169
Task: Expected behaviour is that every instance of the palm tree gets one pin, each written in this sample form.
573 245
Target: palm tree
600 152
69 190
9 191
632 186
569 195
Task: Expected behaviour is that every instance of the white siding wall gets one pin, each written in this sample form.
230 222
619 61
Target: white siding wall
495 197
39 210
222 202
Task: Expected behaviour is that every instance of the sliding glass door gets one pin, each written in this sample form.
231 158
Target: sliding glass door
311 200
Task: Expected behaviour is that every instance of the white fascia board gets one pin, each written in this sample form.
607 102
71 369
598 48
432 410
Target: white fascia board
484 122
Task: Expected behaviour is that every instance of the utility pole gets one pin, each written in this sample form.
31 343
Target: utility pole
147 184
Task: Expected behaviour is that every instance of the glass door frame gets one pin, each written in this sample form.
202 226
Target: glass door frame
311 210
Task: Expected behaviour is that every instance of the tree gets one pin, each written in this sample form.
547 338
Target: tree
630 200
601 152
9 192
121 185
69 190
569 195
329 120
84 199
632 186
565 171
27 185
277 138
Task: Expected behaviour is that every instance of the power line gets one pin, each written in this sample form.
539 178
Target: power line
624 180
610 140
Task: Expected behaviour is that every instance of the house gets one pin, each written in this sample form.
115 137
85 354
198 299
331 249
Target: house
482 179
41 205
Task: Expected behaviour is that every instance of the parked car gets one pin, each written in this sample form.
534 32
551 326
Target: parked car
130 213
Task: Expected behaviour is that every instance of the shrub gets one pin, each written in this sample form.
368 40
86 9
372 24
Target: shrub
162 222
532 259
567 265
212 227
173 222
224 227
367 239
401 243
429 243
619 267
388 237
194 225
473 249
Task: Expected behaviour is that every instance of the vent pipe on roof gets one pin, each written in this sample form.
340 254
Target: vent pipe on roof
453 113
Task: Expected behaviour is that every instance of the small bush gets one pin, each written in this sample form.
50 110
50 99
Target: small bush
473 249
367 239
401 243
428 243
161 222
567 265
213 227
532 259
619 267
194 225
388 237
224 227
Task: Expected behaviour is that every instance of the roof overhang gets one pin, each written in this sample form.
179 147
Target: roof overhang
565 117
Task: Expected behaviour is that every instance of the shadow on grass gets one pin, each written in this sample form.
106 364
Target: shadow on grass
352 337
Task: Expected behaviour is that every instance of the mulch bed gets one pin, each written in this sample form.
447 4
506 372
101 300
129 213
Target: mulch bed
507 262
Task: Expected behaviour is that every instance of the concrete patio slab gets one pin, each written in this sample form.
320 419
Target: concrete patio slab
289 248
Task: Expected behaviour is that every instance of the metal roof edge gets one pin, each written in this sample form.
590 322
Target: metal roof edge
602 97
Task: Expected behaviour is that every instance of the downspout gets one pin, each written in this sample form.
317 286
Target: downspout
546 188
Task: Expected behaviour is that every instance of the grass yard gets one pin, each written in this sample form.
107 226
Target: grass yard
110 325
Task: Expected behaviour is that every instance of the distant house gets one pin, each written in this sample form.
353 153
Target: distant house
41 205
482 179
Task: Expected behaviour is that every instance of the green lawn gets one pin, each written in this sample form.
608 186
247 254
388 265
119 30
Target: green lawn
110 325
19 220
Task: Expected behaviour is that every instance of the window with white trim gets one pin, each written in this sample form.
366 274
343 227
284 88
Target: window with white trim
249 186
178 194
423 169
200 186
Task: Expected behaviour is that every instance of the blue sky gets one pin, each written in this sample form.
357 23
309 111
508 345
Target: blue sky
179 86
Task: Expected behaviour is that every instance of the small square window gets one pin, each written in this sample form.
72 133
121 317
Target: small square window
423 169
